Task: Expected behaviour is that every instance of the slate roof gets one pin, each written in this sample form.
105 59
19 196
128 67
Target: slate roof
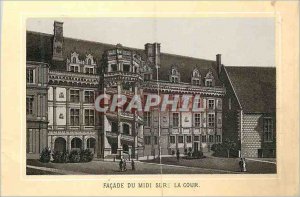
39 48
255 88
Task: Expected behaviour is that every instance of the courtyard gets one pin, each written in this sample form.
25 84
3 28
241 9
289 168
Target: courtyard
168 165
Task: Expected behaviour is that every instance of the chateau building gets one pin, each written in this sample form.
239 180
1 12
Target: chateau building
74 72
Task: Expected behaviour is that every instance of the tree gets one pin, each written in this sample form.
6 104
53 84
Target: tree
229 145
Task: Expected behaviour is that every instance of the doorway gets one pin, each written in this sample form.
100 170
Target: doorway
196 146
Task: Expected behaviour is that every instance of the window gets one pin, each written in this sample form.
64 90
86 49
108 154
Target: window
203 138
180 139
89 96
147 140
211 138
89 118
196 138
126 67
155 140
76 143
74 117
268 130
114 127
218 138
74 60
147 77
29 105
197 120
30 76
74 69
188 139
74 96
89 62
175 119
89 70
174 79
114 67
126 129
208 83
229 103
172 139
147 119
211 120
211 104
196 82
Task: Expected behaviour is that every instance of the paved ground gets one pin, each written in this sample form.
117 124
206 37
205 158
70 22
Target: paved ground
168 166
254 166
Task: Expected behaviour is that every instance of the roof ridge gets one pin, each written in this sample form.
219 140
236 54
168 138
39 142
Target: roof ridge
132 48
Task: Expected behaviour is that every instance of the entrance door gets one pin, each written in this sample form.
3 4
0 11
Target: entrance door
196 146
114 148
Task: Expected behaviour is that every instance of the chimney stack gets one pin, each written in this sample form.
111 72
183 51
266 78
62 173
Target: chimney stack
219 63
152 51
58 41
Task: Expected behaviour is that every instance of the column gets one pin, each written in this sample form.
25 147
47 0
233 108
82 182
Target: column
54 108
67 108
81 114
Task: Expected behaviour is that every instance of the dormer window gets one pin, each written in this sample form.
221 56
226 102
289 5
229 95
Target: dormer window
89 62
74 60
209 79
89 70
174 76
74 69
196 77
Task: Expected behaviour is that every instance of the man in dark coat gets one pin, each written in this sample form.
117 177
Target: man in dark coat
178 155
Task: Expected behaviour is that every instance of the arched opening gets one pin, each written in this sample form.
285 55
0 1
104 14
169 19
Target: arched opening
76 143
91 144
89 61
60 144
126 129
74 60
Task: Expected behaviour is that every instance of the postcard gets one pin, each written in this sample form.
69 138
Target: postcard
150 98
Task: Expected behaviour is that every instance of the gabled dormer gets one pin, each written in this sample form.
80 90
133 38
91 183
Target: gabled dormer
196 77
209 79
174 75
89 66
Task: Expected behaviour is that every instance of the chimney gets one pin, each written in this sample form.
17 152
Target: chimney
153 53
219 63
58 40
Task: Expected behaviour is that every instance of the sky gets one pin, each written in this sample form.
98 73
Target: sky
241 41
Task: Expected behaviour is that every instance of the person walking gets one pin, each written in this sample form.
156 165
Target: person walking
241 164
124 165
132 165
244 165
178 154
121 164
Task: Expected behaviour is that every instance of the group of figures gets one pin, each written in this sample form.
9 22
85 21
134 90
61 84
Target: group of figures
242 165
122 165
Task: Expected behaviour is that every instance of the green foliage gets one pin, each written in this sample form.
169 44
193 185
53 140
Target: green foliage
86 155
74 156
45 155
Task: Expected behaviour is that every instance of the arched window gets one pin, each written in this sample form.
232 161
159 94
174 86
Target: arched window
76 143
60 144
89 62
74 60
90 143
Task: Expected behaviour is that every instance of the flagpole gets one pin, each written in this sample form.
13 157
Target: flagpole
159 147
